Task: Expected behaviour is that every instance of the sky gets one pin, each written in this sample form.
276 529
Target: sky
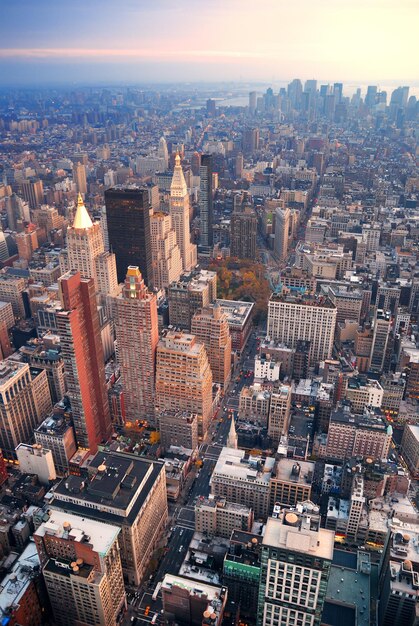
93 41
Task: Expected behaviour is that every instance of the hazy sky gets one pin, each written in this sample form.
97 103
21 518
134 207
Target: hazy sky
170 40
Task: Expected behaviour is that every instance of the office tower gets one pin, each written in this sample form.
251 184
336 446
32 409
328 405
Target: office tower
357 506
244 224
178 428
11 290
34 459
182 604
210 326
56 434
290 481
128 218
398 585
125 491
295 92
211 107
27 242
410 448
301 361
252 102
310 86
86 252
184 377
137 334
371 96
239 164
250 142
195 163
282 231
219 518
206 201
82 570
3 469
239 318
79 177
291 318
24 402
350 434
33 192
179 211
243 479
192 292
78 327
163 152
330 106
279 412
337 92
381 333
295 564
165 253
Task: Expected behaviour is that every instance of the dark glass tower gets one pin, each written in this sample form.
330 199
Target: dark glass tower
128 218
205 200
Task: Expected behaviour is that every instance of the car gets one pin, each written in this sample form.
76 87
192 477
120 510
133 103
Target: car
181 548
181 532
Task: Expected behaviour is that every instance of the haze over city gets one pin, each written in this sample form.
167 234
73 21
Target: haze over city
166 40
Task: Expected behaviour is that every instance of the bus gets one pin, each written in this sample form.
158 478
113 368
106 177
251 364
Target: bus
156 592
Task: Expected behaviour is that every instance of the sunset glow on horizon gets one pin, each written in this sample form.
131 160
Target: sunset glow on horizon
345 39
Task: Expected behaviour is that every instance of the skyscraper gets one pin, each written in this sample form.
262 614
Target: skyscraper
128 217
86 251
205 200
81 565
79 177
295 565
167 259
210 326
382 327
78 327
137 334
243 232
179 211
183 377
282 228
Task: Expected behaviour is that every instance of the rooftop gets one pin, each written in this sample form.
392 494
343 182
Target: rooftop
298 530
303 299
115 486
239 465
237 311
82 530
15 584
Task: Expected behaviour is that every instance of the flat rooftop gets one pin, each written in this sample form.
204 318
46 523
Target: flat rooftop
237 464
289 470
237 311
14 584
194 587
115 487
82 530
299 537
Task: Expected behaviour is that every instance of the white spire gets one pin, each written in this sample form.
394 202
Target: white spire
232 435
178 186
82 219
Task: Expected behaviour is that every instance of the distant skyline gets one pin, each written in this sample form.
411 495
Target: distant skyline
217 40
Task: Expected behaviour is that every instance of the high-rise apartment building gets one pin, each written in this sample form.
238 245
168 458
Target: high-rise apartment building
122 490
79 330
206 201
11 290
24 402
82 570
184 377
210 326
167 259
282 231
243 233
137 334
295 564
79 177
291 318
128 213
179 211
279 412
33 192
